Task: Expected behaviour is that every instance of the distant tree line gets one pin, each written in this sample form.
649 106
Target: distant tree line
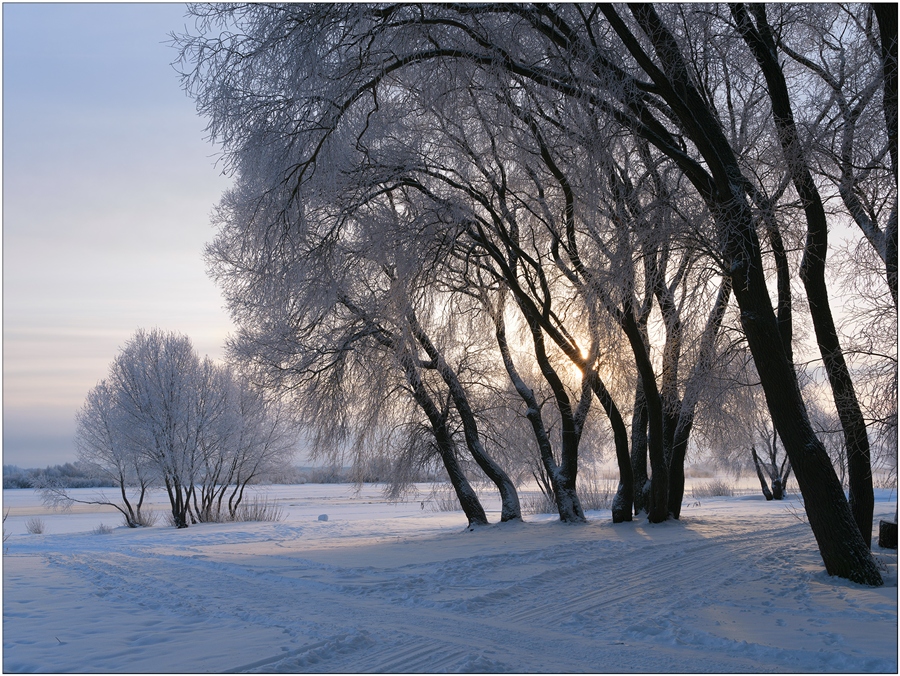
82 475
69 475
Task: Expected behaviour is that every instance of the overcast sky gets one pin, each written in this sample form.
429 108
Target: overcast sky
107 189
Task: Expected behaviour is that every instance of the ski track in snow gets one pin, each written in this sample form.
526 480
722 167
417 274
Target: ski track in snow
736 586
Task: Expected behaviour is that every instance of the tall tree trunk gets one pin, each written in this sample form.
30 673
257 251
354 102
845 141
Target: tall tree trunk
676 466
784 308
639 420
812 269
658 509
671 405
886 14
468 499
692 390
843 549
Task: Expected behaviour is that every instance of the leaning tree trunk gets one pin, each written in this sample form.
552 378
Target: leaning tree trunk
466 495
562 481
842 547
624 498
567 472
509 498
468 499
812 269
759 473
859 465
132 520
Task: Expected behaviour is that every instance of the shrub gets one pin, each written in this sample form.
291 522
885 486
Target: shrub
597 493
444 500
145 519
102 529
538 503
328 475
716 487
255 509
258 510
35 525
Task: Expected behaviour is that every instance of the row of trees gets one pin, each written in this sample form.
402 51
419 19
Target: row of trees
473 233
69 475
164 417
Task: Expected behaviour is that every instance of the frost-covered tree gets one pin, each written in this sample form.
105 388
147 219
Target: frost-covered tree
167 406
254 438
165 417
481 129
341 321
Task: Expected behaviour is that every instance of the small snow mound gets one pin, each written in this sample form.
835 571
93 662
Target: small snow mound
479 664
323 517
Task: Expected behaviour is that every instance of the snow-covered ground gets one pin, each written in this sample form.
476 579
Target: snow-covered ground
736 585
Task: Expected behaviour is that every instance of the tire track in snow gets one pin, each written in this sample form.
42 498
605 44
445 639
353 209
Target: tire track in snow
663 576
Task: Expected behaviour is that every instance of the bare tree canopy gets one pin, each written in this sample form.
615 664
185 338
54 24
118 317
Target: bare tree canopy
448 215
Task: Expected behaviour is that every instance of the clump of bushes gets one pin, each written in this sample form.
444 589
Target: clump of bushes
712 489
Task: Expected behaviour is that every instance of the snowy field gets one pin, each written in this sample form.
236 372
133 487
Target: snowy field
736 585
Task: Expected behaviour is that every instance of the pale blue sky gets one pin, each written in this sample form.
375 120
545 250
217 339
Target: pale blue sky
107 189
